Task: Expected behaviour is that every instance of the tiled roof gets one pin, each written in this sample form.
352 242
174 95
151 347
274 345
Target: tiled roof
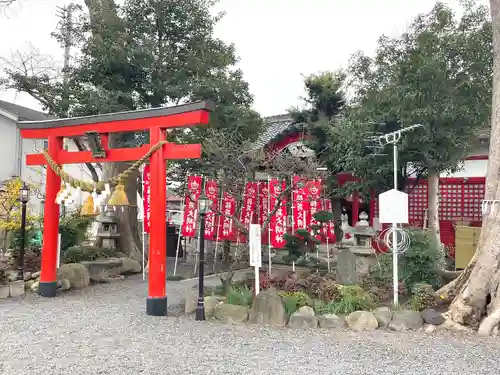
24 114
274 126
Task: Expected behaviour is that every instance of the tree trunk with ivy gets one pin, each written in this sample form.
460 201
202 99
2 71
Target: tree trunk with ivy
433 206
476 292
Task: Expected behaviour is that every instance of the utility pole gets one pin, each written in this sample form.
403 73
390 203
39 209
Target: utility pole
65 26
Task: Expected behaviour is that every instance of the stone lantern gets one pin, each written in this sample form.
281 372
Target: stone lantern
107 234
356 257
363 235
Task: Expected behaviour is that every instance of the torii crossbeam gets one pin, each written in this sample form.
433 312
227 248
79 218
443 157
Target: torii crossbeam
156 121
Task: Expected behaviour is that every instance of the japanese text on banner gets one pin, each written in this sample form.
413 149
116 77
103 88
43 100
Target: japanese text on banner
194 185
249 205
313 192
146 196
300 204
278 220
211 218
264 209
226 229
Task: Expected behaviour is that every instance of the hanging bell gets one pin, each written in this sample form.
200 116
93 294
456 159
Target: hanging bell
119 197
88 208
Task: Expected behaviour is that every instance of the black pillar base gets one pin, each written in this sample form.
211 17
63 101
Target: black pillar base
47 289
200 310
156 306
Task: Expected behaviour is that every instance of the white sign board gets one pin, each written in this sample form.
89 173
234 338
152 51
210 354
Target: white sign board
393 207
254 236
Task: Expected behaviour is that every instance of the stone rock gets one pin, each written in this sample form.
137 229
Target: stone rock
77 275
35 275
34 286
431 316
130 266
27 276
28 284
383 316
268 309
192 301
4 291
303 318
331 321
102 269
210 303
230 313
403 320
16 288
362 321
65 284
11 276
429 328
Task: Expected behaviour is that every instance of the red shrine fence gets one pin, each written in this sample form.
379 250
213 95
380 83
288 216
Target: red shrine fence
459 201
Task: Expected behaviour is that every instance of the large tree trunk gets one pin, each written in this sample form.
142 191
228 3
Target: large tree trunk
477 290
433 205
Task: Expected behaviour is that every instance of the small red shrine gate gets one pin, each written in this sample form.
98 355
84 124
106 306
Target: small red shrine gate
156 121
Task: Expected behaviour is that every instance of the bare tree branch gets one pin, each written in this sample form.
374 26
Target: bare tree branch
38 75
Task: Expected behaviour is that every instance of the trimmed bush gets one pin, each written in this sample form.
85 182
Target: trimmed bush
77 254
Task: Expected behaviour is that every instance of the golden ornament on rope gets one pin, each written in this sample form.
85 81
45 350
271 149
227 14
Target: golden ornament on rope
88 208
119 196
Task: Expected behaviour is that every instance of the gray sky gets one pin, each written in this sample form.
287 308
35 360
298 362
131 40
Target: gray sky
277 40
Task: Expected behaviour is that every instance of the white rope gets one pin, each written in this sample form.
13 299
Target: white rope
402 236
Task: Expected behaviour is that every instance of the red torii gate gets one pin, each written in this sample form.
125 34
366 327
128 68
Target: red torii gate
155 120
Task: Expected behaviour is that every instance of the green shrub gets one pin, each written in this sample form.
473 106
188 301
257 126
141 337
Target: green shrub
73 229
78 254
241 296
418 264
422 297
290 305
294 301
352 298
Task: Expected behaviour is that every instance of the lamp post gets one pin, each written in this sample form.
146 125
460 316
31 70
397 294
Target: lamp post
204 205
24 196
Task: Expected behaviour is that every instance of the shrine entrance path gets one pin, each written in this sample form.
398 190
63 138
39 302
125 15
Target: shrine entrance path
104 330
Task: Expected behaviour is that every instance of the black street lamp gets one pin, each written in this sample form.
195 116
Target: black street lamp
204 205
24 197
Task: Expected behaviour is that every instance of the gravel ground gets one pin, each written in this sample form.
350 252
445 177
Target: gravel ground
104 330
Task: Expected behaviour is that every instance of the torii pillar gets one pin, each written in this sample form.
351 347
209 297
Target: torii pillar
156 121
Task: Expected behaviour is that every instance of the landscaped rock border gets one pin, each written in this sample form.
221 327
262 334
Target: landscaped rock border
73 276
267 309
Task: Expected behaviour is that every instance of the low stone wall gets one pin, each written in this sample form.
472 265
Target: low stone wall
268 310
73 276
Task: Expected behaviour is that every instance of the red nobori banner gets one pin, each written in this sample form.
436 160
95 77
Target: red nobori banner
313 192
146 197
278 220
194 185
300 204
249 205
328 230
264 209
211 218
226 229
